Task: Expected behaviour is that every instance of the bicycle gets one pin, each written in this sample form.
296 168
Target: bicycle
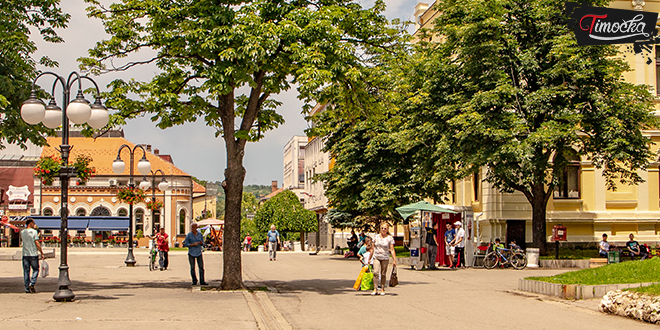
516 258
153 256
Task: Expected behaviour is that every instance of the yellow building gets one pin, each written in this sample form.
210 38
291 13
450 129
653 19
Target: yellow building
583 204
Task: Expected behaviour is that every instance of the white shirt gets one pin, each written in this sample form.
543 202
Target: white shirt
460 234
604 246
382 247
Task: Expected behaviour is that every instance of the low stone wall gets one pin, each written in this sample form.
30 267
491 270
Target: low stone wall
573 291
632 304
564 263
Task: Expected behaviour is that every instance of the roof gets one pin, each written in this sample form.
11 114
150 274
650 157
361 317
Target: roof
269 196
198 188
103 151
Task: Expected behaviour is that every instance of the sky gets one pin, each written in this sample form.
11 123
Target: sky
193 146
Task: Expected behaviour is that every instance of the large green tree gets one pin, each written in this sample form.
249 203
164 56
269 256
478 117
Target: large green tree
221 61
18 68
287 213
508 89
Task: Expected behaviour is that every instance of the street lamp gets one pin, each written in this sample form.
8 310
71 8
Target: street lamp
78 111
144 167
162 186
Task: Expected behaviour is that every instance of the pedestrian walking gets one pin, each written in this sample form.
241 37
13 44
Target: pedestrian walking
460 244
31 249
383 246
247 243
432 242
194 242
163 249
273 241
449 243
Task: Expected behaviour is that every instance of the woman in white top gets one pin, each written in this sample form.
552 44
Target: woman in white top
383 246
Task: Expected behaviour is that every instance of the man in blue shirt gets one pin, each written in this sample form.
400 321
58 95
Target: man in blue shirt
449 244
194 242
273 240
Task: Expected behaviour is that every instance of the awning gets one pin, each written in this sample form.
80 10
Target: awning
82 223
410 209
115 223
56 222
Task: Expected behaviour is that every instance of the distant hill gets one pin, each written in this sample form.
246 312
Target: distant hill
258 191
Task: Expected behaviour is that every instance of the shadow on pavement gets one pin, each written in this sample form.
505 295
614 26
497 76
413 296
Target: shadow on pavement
324 286
49 284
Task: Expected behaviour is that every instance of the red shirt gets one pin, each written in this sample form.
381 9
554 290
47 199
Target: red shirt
161 242
249 240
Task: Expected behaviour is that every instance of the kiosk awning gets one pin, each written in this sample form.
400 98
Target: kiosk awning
410 209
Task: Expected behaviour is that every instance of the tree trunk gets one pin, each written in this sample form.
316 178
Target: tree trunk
539 202
302 241
232 278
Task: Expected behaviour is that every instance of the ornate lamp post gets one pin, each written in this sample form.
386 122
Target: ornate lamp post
78 111
162 186
144 167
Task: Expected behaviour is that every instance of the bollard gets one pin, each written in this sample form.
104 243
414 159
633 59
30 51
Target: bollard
532 257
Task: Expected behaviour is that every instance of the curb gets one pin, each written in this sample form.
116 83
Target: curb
574 291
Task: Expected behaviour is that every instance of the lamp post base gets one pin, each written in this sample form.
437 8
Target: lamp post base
63 293
130 259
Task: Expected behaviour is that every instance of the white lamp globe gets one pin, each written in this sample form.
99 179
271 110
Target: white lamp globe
163 185
144 185
118 166
53 117
79 110
144 167
33 110
100 115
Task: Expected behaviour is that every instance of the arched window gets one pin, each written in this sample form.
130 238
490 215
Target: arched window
100 211
182 222
81 212
139 220
48 211
569 181
122 213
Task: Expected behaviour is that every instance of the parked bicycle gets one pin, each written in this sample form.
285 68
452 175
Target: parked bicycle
505 257
153 255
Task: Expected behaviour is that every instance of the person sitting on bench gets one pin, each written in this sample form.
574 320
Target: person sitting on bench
604 247
635 249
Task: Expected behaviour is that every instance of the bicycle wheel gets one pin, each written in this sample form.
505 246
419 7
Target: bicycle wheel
490 260
152 262
519 261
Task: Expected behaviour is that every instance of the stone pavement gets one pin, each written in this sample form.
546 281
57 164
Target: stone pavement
305 292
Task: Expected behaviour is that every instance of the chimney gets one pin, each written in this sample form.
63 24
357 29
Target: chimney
149 147
273 186
156 152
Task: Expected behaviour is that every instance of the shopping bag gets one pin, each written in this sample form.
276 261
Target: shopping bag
43 269
358 282
394 279
367 281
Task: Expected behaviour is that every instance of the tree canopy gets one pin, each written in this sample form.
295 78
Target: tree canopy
18 68
285 211
509 90
221 61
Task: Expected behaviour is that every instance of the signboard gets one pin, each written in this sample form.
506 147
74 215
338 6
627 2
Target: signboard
607 26
18 193
18 206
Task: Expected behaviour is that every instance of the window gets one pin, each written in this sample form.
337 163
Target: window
182 222
48 211
156 220
81 212
476 179
139 220
453 191
569 181
122 213
100 212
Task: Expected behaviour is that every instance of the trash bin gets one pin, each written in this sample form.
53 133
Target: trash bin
613 257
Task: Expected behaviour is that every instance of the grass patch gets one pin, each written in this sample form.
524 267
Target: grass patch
626 272
653 290
178 249
401 252
258 288
572 254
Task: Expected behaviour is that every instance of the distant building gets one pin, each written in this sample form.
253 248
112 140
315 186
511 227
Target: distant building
294 163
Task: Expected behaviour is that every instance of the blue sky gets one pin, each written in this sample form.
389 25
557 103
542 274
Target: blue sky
193 146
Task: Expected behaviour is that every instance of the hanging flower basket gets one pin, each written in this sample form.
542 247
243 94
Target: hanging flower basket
154 205
131 195
47 169
81 163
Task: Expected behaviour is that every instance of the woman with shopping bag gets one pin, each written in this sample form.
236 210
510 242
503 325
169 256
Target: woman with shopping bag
383 247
